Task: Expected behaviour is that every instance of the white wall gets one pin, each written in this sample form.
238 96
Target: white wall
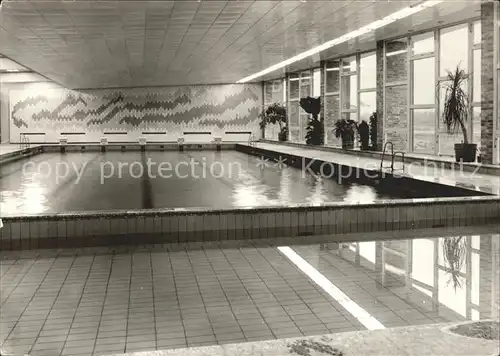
9 81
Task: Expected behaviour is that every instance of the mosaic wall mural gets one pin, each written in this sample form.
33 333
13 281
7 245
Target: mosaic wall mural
215 108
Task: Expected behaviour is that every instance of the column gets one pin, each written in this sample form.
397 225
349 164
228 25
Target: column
380 95
487 84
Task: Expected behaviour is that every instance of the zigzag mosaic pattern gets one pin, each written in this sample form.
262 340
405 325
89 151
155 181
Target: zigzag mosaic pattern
215 108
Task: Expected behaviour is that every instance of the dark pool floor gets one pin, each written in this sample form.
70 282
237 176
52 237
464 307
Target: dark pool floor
54 182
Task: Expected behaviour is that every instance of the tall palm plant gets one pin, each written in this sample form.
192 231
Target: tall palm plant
456 111
454 250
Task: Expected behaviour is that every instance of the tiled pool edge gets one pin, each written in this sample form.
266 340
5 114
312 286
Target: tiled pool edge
101 228
467 167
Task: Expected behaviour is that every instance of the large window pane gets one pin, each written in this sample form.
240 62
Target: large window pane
423 81
332 77
476 126
350 92
424 123
304 118
453 49
316 83
368 71
305 84
423 43
423 261
477 76
294 89
367 105
294 113
268 92
273 92
447 143
396 61
477 32
349 65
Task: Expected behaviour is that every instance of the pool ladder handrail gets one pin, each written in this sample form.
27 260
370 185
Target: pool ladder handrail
24 141
251 140
393 155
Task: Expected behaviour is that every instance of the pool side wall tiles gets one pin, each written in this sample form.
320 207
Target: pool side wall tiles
188 225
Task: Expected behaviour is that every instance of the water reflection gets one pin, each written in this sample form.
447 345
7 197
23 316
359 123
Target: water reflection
455 278
289 186
29 198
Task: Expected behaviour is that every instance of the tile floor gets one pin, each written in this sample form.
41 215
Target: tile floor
104 301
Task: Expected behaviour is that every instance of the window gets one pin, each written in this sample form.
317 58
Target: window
424 123
349 65
423 81
453 48
367 105
332 77
422 43
476 76
350 92
316 83
476 126
301 86
368 71
477 32
294 88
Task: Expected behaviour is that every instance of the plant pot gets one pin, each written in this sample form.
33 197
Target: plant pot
347 144
465 152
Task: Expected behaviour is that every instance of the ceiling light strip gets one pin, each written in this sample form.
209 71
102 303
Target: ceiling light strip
408 11
343 299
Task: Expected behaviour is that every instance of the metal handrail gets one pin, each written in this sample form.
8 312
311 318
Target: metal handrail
24 141
402 159
393 155
251 141
389 143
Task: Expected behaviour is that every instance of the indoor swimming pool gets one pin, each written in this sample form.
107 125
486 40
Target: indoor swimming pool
82 181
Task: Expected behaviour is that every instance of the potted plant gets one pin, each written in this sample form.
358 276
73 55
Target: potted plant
456 113
275 114
345 129
373 131
315 127
364 135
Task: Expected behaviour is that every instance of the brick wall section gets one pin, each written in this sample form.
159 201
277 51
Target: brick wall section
395 126
396 65
487 88
380 93
396 122
332 115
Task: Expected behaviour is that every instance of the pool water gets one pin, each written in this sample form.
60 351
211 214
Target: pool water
54 182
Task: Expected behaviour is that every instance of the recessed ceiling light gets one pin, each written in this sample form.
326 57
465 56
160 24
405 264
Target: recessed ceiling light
398 15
